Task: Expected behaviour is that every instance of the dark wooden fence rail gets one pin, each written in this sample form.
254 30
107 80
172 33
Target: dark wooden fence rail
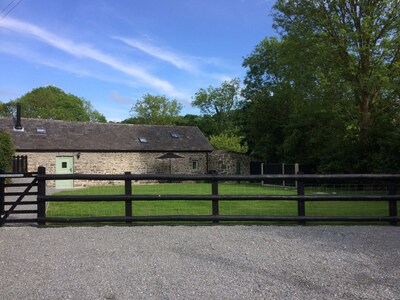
391 180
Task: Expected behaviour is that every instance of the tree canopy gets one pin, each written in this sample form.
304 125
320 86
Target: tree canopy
327 90
219 102
152 109
228 142
53 103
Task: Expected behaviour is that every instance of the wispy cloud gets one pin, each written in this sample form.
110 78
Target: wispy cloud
70 67
192 64
119 98
175 59
86 51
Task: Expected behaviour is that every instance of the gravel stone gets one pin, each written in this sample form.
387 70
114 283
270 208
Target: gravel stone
200 262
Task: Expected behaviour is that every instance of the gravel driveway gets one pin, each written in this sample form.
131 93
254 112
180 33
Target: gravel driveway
204 262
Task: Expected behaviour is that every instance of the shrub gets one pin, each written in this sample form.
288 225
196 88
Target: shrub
6 151
228 142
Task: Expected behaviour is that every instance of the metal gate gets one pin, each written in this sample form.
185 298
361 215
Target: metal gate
18 198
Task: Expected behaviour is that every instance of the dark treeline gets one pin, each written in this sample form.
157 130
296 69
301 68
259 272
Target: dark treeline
326 92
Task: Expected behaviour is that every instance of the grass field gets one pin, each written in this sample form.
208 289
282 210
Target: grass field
175 207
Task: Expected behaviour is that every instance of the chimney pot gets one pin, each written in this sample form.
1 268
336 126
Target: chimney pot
18 125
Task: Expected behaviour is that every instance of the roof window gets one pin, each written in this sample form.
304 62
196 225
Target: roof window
174 135
41 130
143 140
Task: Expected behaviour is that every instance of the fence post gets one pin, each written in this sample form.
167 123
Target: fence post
215 204
392 189
296 171
25 164
2 197
41 192
262 173
301 210
128 203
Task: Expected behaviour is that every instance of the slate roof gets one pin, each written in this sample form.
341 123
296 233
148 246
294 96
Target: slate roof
94 137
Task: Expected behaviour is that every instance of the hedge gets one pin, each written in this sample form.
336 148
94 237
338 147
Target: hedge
6 151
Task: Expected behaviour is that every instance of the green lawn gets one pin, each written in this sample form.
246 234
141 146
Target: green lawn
267 208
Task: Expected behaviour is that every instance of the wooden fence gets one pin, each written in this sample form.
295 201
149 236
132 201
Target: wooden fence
391 198
20 164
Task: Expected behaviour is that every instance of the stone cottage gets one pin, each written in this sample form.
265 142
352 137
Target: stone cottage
106 148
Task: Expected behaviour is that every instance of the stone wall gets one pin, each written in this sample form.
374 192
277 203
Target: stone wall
230 163
118 163
224 162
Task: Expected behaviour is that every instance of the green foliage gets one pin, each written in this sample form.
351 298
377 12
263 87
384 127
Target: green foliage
94 115
53 103
6 151
205 123
228 142
6 110
219 102
327 91
155 110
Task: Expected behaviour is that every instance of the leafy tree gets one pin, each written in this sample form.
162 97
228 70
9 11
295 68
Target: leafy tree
219 102
6 109
6 151
53 103
205 123
323 91
363 38
228 142
94 115
155 110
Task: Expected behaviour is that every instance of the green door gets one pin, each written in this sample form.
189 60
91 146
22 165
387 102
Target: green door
64 165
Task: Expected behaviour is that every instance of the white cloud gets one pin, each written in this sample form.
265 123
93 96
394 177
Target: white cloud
120 99
176 60
69 66
191 64
86 51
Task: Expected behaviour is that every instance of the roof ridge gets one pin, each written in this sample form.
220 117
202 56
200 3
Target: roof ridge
101 123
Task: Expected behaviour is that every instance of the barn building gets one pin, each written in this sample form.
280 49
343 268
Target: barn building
106 148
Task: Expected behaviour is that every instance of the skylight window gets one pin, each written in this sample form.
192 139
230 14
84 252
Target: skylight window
143 140
41 130
174 135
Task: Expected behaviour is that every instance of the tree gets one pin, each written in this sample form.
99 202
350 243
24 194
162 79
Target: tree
363 38
205 123
6 151
155 110
7 109
324 90
53 103
94 115
228 142
219 102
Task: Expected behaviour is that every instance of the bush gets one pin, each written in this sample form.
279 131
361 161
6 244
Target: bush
228 142
6 151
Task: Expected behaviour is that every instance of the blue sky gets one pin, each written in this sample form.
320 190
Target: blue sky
113 52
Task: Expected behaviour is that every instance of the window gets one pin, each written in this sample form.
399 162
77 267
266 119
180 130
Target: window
64 165
143 140
195 165
174 135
